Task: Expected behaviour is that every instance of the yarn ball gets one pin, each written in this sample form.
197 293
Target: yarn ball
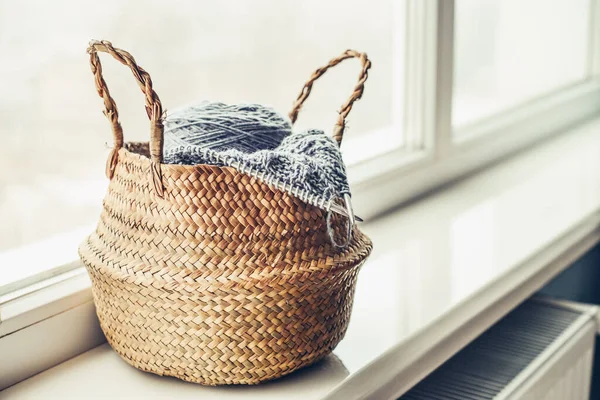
218 126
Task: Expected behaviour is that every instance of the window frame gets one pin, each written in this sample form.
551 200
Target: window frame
435 153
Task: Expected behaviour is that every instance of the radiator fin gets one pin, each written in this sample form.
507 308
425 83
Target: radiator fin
487 365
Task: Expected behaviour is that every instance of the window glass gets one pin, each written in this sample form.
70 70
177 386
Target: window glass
510 51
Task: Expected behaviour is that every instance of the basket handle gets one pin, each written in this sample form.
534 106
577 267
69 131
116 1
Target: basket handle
340 125
153 108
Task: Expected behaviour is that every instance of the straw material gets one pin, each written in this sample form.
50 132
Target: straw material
215 277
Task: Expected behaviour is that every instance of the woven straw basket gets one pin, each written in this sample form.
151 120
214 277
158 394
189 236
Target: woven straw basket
207 274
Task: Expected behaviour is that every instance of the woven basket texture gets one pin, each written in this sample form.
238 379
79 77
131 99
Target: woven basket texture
215 277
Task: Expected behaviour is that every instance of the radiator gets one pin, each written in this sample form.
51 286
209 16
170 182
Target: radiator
542 350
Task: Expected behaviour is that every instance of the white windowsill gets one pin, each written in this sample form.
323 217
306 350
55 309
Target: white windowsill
443 269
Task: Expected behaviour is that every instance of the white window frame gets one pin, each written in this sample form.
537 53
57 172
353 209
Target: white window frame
430 157
434 154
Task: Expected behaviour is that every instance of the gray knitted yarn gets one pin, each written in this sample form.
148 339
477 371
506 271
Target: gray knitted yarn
218 126
259 142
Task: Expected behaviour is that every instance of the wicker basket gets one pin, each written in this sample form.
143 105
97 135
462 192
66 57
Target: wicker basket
207 274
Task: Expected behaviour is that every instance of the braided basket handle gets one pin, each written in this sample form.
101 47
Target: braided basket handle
153 108
340 125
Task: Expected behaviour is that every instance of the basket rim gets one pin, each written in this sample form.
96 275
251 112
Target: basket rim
146 160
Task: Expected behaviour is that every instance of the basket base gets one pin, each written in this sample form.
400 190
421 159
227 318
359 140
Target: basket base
237 375
218 337
249 379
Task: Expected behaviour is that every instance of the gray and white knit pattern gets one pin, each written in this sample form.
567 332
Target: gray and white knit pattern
258 141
